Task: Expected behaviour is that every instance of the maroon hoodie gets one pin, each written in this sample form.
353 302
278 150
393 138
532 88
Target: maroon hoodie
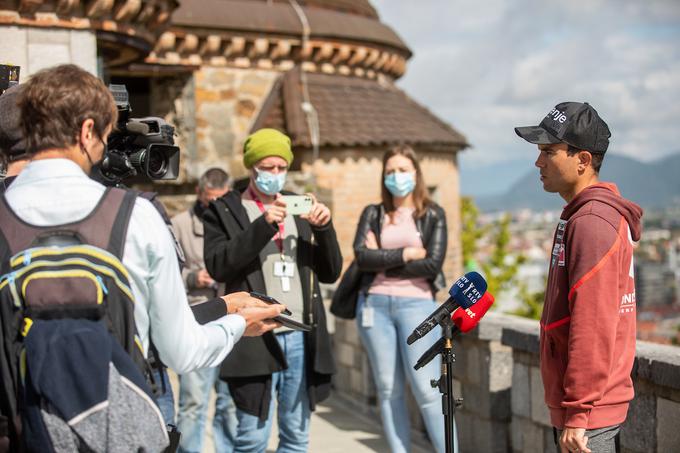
588 322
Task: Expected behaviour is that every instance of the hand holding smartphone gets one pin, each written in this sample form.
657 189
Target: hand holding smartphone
283 320
297 204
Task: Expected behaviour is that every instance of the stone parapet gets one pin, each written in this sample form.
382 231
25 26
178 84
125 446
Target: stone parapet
497 373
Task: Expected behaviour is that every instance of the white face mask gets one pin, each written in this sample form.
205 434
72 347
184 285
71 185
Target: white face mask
270 183
400 184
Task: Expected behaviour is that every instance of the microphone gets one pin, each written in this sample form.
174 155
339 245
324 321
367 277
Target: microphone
465 292
137 128
464 320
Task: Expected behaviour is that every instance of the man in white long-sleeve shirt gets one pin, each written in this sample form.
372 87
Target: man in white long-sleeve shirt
67 115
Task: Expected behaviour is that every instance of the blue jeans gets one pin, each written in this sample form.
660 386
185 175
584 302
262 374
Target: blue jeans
392 360
194 396
166 400
290 390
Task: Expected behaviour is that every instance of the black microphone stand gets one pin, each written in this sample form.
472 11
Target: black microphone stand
444 347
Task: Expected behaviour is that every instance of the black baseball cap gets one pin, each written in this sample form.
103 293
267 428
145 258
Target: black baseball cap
574 123
12 142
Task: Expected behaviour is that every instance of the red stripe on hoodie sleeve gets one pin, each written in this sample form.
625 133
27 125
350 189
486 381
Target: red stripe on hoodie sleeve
592 254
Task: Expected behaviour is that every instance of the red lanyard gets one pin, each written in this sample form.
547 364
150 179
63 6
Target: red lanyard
278 237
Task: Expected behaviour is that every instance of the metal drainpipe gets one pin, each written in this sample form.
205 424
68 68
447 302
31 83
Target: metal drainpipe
306 105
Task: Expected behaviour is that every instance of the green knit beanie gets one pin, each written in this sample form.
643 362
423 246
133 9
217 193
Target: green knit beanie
264 143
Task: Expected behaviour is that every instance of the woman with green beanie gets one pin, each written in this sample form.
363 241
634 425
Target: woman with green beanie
253 244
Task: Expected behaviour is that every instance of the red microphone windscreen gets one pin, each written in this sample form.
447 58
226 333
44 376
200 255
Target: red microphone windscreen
467 319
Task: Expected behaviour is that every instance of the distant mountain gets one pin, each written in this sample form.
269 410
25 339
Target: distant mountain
482 180
650 184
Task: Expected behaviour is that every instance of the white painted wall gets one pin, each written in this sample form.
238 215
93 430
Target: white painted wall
37 48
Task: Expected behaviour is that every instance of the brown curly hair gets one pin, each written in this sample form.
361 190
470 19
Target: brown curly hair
56 101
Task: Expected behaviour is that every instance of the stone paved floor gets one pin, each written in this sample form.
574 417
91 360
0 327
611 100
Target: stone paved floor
335 428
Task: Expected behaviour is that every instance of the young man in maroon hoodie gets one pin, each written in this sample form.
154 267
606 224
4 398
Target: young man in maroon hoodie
588 322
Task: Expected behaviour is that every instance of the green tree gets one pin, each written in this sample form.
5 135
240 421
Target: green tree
471 232
500 270
532 303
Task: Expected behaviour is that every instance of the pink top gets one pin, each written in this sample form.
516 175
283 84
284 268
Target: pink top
401 233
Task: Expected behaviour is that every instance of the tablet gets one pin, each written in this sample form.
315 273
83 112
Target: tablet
292 324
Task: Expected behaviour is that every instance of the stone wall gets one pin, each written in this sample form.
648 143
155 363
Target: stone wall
497 374
227 102
37 48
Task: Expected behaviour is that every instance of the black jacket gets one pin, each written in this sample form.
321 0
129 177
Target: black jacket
232 245
432 229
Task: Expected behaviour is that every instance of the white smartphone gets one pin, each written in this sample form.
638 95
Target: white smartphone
298 204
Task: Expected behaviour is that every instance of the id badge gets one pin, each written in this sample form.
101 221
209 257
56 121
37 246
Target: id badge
367 317
284 269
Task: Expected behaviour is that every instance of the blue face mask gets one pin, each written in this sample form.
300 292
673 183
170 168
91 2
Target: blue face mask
270 183
400 184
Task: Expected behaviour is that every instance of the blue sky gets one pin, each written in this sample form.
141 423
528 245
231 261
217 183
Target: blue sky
487 66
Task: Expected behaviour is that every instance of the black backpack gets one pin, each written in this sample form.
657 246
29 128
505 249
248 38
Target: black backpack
64 292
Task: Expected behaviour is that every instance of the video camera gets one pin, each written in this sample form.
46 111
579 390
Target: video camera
9 76
137 146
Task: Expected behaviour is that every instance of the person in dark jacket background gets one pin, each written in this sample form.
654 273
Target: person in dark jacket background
400 247
252 244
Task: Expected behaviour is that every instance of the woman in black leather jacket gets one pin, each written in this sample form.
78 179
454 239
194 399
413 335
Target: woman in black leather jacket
400 247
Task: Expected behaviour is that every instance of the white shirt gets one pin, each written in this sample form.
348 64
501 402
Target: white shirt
57 191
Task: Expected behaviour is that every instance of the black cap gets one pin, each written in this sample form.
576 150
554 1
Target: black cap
574 123
12 142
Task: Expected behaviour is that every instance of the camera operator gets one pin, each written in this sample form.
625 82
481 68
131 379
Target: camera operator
66 115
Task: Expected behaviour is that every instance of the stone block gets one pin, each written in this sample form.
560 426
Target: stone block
516 435
500 367
490 405
521 334
526 358
344 354
457 388
13 48
659 364
217 77
491 327
245 108
549 440
668 425
638 433
359 355
521 393
83 45
465 428
256 85
356 381
532 437
473 357
49 36
352 333
487 436
539 410
341 380
45 55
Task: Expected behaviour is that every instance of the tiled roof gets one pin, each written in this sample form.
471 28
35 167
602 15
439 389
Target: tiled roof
354 112
337 19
